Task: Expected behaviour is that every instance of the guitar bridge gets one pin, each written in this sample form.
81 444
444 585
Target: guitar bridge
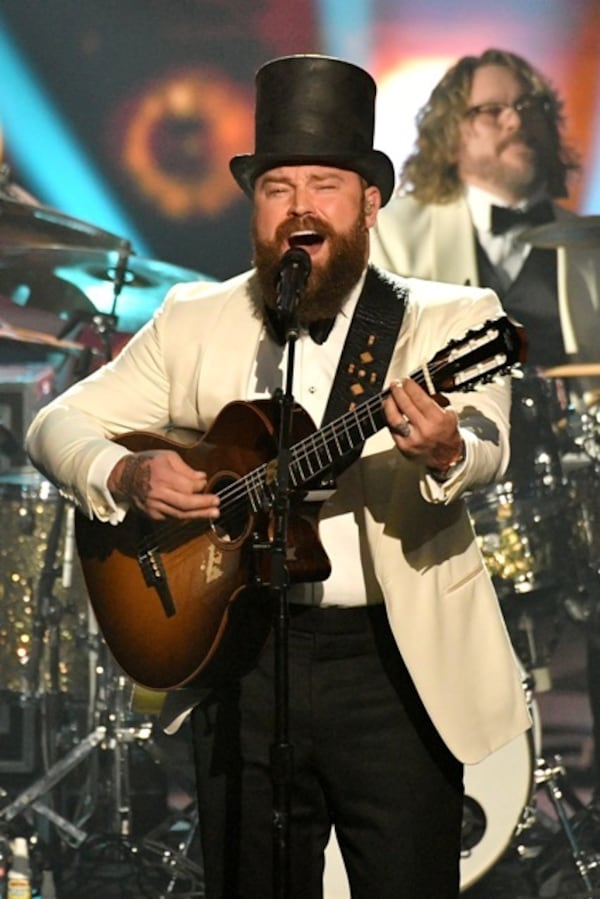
152 568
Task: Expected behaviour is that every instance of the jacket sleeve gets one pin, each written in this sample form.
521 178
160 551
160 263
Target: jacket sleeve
70 439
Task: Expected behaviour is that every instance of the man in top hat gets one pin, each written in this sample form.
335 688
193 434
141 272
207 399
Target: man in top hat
397 667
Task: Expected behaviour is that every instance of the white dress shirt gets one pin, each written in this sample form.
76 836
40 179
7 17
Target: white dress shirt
314 369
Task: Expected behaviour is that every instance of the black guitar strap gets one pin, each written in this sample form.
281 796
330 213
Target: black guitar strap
368 348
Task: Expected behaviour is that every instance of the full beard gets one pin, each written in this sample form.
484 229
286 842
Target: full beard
328 286
518 180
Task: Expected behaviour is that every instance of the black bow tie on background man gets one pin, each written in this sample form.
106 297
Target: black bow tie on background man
503 217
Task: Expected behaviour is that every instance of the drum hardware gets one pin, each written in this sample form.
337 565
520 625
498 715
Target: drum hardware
574 370
48 613
27 335
78 282
157 869
103 797
539 535
45 675
41 620
580 231
96 794
538 530
576 836
171 844
536 659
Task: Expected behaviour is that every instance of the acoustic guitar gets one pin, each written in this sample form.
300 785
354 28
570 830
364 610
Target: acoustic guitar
172 598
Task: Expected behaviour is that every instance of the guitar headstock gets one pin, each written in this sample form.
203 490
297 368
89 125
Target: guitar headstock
482 354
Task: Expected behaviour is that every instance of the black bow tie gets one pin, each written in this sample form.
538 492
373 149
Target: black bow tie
318 330
503 217
321 329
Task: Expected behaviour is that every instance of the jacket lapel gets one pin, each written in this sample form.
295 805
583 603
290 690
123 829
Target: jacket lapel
453 244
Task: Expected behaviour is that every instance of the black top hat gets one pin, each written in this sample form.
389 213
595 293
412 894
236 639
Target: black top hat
314 109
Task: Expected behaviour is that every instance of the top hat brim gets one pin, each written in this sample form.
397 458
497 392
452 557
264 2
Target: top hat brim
375 167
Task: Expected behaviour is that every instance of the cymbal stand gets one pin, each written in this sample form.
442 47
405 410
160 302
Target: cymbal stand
154 855
106 325
74 835
110 736
112 709
553 777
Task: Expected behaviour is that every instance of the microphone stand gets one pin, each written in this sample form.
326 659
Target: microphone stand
282 754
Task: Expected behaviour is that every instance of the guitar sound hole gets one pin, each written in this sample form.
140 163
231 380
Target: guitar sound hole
234 522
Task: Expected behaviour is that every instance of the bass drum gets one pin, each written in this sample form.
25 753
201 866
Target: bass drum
498 792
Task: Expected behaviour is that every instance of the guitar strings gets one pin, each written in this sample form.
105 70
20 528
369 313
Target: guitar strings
237 496
252 489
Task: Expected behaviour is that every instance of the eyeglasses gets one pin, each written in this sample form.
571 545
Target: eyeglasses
524 107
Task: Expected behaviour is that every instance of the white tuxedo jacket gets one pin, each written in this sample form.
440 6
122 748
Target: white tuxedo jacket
198 354
437 241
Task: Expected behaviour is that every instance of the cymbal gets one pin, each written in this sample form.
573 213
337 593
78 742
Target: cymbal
39 226
26 335
79 281
574 370
582 231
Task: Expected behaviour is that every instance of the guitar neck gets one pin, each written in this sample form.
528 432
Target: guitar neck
477 357
316 454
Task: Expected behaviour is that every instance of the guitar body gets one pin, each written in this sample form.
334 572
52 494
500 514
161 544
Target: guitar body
173 598
183 627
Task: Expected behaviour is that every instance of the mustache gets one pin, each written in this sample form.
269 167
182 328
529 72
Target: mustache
520 138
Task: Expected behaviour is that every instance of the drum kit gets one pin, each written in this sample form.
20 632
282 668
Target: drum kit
70 296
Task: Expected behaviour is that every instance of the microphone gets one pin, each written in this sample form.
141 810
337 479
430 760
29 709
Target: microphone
292 276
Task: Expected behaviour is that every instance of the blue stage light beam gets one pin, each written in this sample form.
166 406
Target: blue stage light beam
345 27
590 204
48 154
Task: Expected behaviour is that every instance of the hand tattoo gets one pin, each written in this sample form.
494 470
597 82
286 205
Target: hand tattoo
134 480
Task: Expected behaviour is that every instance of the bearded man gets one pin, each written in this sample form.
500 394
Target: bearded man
397 660
489 164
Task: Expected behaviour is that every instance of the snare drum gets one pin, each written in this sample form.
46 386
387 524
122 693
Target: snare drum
28 509
581 465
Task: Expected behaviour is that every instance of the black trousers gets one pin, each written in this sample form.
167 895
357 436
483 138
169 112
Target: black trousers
366 760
